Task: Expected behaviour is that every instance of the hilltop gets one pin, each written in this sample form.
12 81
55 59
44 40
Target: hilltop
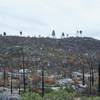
75 44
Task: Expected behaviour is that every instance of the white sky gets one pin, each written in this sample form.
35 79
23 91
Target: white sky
40 17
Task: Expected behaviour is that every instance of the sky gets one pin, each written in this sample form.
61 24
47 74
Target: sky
40 17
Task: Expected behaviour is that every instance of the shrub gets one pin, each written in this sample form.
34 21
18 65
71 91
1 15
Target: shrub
48 90
31 96
59 95
69 89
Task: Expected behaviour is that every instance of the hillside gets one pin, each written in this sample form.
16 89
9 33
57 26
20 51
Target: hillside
56 53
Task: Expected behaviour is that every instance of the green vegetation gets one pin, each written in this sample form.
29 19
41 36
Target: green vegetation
56 95
48 90
61 94
31 96
69 89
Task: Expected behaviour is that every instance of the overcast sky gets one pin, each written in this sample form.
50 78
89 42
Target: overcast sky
40 17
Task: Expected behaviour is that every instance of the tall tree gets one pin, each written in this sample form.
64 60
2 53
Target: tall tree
23 63
67 35
4 71
81 32
63 35
53 33
83 75
4 33
21 33
42 80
